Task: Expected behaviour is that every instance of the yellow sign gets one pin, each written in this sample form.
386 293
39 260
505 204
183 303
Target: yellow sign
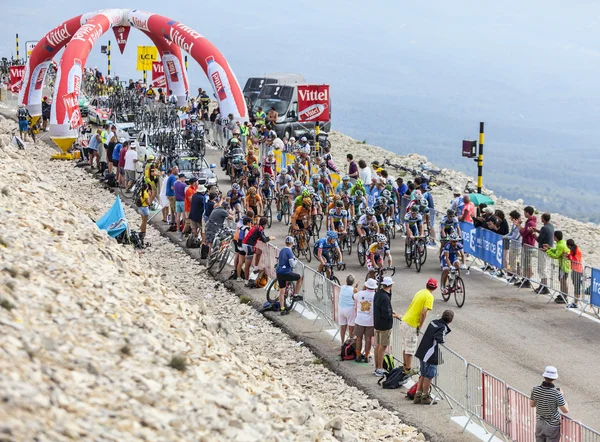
145 56
29 45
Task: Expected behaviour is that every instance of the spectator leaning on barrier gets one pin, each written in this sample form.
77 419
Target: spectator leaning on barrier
560 252
468 210
528 238
347 307
513 245
285 273
364 320
383 320
547 399
428 354
576 271
544 237
413 321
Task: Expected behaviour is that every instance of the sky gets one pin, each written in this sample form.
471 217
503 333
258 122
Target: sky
413 76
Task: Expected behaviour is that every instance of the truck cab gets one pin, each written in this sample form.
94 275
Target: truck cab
255 84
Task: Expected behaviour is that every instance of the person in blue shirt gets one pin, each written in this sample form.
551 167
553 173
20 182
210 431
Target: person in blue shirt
402 187
449 258
324 246
170 191
285 266
345 185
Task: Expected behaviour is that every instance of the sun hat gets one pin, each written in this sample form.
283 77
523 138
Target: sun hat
387 281
371 284
550 372
201 188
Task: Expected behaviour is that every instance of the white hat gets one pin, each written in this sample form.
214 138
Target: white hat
121 140
387 281
551 372
201 188
371 284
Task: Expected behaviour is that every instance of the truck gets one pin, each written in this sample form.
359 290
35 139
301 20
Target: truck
255 84
284 98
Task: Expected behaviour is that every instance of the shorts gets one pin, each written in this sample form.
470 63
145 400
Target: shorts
326 254
409 338
144 211
300 224
171 203
23 125
337 224
428 370
238 247
197 225
115 163
453 260
577 278
151 183
383 337
372 262
414 229
361 330
543 264
179 206
249 250
283 278
130 174
346 316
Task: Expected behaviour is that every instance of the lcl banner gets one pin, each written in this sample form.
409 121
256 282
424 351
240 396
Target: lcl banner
313 102
73 110
158 75
16 74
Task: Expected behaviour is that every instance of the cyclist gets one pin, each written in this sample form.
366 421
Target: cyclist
448 226
338 220
358 186
332 202
348 204
376 253
254 202
391 205
449 258
301 216
300 198
344 186
267 187
318 186
285 266
413 223
235 198
269 164
359 202
151 174
296 190
380 208
300 169
282 186
323 248
367 224
253 176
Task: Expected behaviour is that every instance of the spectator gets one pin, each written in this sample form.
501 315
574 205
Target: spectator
172 98
272 118
162 196
285 273
197 211
413 321
170 192
190 191
347 307
352 167
364 172
363 327
179 187
458 202
46 108
131 158
402 186
513 245
543 236
112 142
144 210
560 252
527 235
95 140
242 229
501 226
256 233
210 204
428 355
215 221
22 116
115 159
576 271
547 400
122 153
383 321
468 211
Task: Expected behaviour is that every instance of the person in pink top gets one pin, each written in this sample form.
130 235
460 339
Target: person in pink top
528 237
468 210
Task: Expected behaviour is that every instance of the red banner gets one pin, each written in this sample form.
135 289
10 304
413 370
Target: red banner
73 110
313 102
158 74
16 78
121 34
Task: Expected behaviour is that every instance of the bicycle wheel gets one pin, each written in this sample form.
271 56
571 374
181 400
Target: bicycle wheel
319 222
407 254
285 213
273 291
288 298
269 214
445 296
360 251
224 259
212 258
423 250
334 279
348 245
393 228
418 258
318 286
459 292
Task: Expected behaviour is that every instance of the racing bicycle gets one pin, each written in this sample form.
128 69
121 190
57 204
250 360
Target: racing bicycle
415 250
454 285
220 250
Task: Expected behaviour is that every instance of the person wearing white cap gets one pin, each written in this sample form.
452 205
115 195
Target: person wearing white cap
383 320
547 399
364 319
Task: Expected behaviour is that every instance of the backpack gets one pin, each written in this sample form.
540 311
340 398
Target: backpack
262 280
138 201
348 350
394 379
192 242
410 394
389 363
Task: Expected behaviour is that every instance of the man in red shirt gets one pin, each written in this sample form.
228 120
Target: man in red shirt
468 210
528 237
187 202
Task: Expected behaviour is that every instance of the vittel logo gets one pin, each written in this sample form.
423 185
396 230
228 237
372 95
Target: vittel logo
314 95
40 76
171 67
57 36
140 23
193 34
88 33
179 39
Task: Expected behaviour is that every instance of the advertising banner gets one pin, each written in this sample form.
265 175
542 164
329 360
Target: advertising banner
145 56
121 34
158 75
595 288
73 111
313 102
16 74
483 244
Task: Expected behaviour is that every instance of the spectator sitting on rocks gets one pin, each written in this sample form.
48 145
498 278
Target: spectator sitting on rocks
347 307
544 236
428 355
576 271
363 327
560 252
383 321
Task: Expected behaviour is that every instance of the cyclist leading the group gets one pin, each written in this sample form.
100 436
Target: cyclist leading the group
376 253
323 249
450 258
413 223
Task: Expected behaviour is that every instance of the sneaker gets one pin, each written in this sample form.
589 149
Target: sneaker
278 216
298 298
359 358
411 372
239 279
572 305
180 236
444 291
284 312
418 397
559 300
365 359
526 285
517 281
380 372
545 291
428 400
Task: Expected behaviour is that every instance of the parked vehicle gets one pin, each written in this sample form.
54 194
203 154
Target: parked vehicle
255 84
99 111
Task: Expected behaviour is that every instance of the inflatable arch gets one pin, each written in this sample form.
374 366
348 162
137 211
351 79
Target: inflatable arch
82 32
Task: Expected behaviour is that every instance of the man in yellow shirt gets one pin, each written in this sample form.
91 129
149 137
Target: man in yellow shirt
413 321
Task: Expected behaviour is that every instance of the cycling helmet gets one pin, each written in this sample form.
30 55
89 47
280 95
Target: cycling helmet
358 182
414 208
306 192
359 193
284 171
418 194
369 211
234 141
270 153
323 164
422 201
306 201
381 237
345 178
332 235
273 134
450 212
432 284
337 197
254 166
267 176
454 236
311 190
235 186
339 204
387 194
303 139
252 190
193 118
297 183
244 163
289 240
381 200
345 194
237 161
316 176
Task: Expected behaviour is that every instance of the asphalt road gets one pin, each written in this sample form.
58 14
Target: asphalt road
506 331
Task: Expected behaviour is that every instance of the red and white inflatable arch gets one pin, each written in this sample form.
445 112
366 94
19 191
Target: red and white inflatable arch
80 33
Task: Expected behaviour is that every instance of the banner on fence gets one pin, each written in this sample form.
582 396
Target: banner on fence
483 244
73 110
16 74
595 288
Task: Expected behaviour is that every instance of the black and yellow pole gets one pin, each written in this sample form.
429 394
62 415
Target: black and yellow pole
144 77
17 41
186 63
108 55
480 159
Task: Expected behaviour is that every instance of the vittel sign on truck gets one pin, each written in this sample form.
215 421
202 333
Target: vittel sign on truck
313 102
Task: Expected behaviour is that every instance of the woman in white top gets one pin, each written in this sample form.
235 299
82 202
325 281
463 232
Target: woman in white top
364 172
347 308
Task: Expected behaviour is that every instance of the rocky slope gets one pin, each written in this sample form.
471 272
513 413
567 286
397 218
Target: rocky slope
586 235
102 343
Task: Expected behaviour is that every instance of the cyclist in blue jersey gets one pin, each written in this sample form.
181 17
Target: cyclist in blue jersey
450 258
344 186
318 186
380 208
323 248
235 197
285 273
448 226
